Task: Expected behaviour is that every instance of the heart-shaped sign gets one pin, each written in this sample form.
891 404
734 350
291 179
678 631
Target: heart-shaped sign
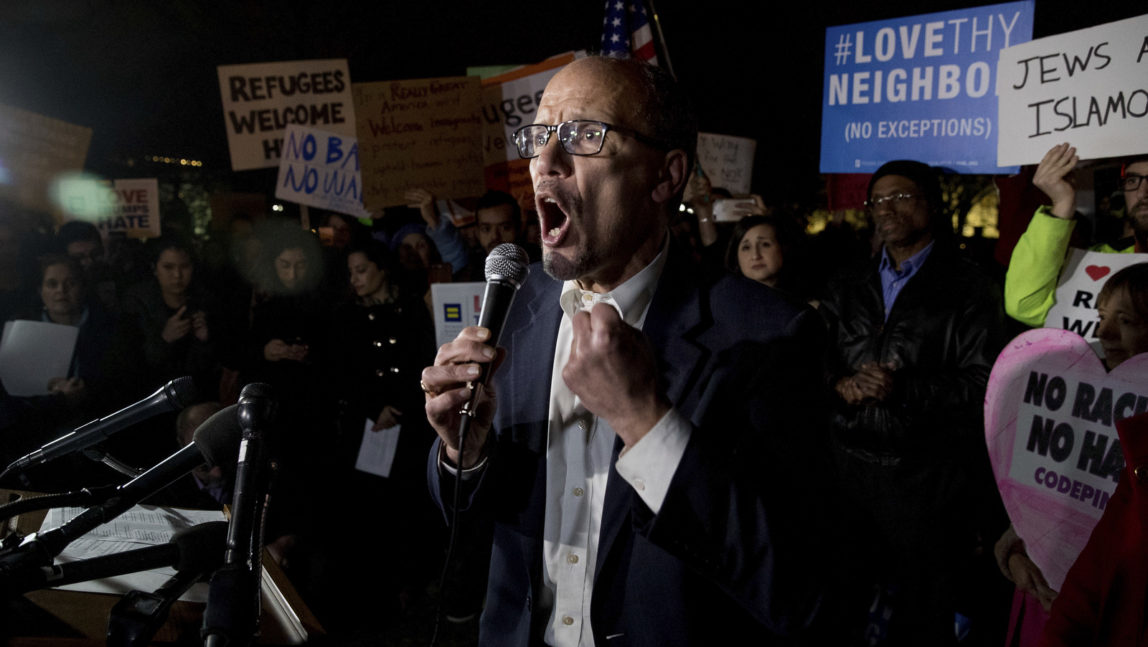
1097 272
1050 410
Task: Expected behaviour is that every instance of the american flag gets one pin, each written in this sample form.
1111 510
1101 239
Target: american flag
626 31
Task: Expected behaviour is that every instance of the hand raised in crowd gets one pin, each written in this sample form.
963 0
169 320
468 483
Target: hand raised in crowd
698 188
448 385
612 369
423 200
278 350
177 326
388 418
1054 177
872 383
199 326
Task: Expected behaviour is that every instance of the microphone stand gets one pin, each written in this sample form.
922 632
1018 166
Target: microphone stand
233 600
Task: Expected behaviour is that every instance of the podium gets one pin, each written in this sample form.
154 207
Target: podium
78 619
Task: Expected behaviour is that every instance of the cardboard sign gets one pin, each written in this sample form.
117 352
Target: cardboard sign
321 169
1083 275
424 133
917 88
1050 411
727 161
509 101
455 306
262 99
1086 87
33 352
34 152
134 209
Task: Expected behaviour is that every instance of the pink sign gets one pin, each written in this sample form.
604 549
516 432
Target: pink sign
1050 411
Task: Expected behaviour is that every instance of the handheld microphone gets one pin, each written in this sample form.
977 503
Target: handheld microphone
506 268
173 396
215 442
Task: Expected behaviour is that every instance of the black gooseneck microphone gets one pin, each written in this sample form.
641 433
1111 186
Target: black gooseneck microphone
214 441
233 601
173 396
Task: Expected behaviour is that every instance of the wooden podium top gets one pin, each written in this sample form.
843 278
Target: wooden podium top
285 619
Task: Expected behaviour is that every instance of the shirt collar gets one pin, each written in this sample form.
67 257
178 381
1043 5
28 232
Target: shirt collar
909 265
630 299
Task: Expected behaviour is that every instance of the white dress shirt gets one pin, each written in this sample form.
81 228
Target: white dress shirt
579 449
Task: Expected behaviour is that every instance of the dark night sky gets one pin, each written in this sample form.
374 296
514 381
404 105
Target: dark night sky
142 73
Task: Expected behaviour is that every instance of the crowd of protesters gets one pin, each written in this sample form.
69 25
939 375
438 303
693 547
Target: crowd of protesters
340 327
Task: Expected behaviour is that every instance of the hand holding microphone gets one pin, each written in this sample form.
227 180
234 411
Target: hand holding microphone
454 386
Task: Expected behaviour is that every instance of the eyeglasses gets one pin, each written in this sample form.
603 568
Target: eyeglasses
895 200
1132 182
577 136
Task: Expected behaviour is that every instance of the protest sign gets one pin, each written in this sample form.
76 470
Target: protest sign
134 209
1083 275
509 101
1050 413
1087 87
455 306
917 88
261 99
34 152
422 133
727 161
320 169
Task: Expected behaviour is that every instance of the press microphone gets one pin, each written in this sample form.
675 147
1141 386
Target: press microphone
173 396
233 600
195 549
215 442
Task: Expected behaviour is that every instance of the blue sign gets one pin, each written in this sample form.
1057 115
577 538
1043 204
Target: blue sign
921 88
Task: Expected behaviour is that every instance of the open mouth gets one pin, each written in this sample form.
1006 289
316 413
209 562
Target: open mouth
552 219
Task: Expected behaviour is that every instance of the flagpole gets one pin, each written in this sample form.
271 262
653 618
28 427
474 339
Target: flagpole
661 37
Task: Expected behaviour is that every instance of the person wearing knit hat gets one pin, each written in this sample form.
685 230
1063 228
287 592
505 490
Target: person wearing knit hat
913 335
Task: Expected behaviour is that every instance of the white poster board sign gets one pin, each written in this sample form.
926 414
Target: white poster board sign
33 352
727 161
456 306
320 169
1083 275
261 99
1086 87
134 209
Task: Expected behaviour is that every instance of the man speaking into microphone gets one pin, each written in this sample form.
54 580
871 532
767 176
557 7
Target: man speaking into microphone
645 451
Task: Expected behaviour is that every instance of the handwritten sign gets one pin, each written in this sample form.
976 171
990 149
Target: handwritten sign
509 101
34 151
917 88
1050 414
1086 86
321 169
424 133
261 99
727 161
134 209
1083 275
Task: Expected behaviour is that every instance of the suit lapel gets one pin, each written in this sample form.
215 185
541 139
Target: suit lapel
675 317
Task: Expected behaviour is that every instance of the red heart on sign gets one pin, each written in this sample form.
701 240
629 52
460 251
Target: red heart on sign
1097 272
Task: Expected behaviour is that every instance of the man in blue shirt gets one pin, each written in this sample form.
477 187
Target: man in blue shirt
913 336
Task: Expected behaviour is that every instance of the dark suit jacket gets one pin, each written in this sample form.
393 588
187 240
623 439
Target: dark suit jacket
731 555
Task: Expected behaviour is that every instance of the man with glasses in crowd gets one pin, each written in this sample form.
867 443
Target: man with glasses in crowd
647 467
913 337
1030 284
